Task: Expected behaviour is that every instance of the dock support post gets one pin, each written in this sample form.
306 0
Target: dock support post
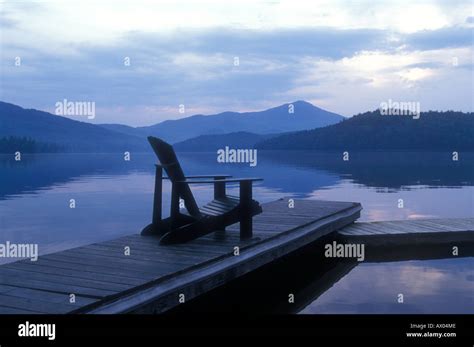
157 198
246 206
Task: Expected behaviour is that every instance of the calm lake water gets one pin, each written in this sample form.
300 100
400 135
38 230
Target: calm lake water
114 198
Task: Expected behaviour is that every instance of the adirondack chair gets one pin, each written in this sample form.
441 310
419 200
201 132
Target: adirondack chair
187 224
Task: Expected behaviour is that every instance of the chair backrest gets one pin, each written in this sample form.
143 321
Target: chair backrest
168 159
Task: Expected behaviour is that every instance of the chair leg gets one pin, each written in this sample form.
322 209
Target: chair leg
157 223
158 195
174 212
246 228
219 188
245 210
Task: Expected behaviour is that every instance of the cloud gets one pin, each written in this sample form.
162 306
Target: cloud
347 70
429 77
194 68
442 38
6 22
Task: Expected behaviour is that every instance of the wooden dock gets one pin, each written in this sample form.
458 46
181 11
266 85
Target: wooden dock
410 232
154 278
416 239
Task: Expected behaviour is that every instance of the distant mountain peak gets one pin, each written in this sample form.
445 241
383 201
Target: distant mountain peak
302 102
298 115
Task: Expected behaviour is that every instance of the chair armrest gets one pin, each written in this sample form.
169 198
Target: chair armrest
215 177
228 180
209 176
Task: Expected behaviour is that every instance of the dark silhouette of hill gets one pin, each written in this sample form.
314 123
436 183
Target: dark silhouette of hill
124 129
13 144
211 143
70 134
372 131
36 131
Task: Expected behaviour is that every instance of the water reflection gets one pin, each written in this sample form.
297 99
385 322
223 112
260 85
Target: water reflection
114 198
297 173
430 279
429 282
434 286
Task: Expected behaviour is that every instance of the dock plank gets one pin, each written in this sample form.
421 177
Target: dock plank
409 232
58 278
50 297
13 310
41 269
95 269
34 305
409 226
55 287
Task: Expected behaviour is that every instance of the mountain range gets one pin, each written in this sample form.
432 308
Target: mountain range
31 130
45 130
71 135
369 131
432 131
299 115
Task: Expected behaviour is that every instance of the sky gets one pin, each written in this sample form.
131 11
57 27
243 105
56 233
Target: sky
139 61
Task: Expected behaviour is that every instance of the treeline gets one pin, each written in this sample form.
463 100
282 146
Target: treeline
433 130
13 144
